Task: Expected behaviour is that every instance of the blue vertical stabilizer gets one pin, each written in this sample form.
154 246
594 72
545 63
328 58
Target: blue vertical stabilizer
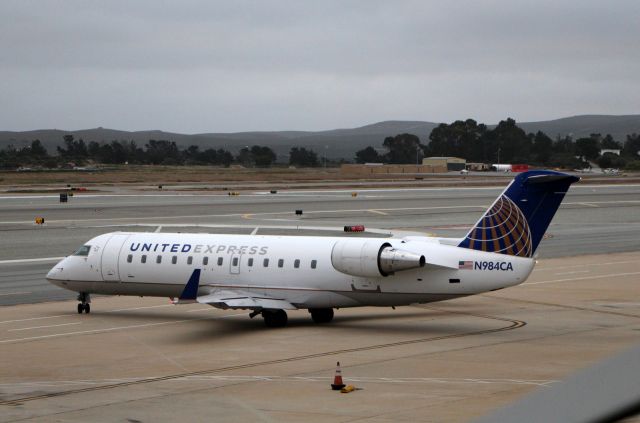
516 222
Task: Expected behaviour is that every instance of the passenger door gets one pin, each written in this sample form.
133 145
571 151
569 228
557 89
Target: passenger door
110 257
234 264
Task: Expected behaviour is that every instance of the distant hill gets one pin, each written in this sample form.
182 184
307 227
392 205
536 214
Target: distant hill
335 143
584 125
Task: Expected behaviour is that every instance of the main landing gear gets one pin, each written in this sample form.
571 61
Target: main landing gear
84 299
278 318
321 315
274 318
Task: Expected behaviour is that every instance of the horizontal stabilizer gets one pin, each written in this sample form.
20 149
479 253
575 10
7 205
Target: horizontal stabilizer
444 257
541 179
447 262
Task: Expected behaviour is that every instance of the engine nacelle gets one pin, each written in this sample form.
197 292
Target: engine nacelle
372 258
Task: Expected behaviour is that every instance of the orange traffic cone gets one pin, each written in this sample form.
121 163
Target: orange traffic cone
337 379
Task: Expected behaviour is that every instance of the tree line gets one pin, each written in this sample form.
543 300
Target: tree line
475 142
506 143
78 153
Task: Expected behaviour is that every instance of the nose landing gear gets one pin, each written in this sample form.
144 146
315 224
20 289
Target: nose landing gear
84 299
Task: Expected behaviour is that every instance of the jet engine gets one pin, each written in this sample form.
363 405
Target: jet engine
372 258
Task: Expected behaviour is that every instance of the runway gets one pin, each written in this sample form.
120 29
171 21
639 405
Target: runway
593 219
143 359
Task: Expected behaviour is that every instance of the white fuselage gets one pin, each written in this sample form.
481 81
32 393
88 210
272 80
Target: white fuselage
298 269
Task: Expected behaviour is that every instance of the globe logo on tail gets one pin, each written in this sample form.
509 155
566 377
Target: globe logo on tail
503 229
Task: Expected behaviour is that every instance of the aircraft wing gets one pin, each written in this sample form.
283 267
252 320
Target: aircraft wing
238 299
228 298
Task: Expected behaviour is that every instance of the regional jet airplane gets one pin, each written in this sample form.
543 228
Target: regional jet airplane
268 275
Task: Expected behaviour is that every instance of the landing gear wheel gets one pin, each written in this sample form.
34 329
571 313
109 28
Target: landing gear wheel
321 315
274 318
84 299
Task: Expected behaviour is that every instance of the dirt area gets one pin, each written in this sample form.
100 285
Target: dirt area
163 175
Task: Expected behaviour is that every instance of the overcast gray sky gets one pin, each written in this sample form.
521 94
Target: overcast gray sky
208 66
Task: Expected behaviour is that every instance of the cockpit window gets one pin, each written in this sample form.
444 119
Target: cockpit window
83 251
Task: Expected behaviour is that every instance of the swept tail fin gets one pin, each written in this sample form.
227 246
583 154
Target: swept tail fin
516 222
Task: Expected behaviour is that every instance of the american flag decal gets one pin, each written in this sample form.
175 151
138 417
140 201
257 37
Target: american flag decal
465 265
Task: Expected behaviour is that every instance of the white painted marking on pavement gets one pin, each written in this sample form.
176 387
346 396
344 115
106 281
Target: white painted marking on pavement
414 380
15 293
573 273
31 260
84 332
145 325
140 308
378 212
249 378
42 327
35 318
583 278
609 263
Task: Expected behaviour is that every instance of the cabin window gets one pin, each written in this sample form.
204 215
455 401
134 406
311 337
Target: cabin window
235 261
220 260
296 263
314 264
174 259
265 263
143 259
205 260
159 259
280 262
129 258
250 262
83 251
189 260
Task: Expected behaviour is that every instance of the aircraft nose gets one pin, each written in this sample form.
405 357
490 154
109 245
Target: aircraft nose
56 271
53 272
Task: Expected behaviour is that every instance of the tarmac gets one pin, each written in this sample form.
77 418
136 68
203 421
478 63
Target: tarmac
142 359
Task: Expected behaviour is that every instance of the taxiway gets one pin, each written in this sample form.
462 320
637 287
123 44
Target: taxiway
136 359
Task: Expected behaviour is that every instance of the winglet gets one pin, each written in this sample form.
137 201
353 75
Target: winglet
190 291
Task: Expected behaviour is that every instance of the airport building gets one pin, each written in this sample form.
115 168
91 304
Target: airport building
380 169
449 163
